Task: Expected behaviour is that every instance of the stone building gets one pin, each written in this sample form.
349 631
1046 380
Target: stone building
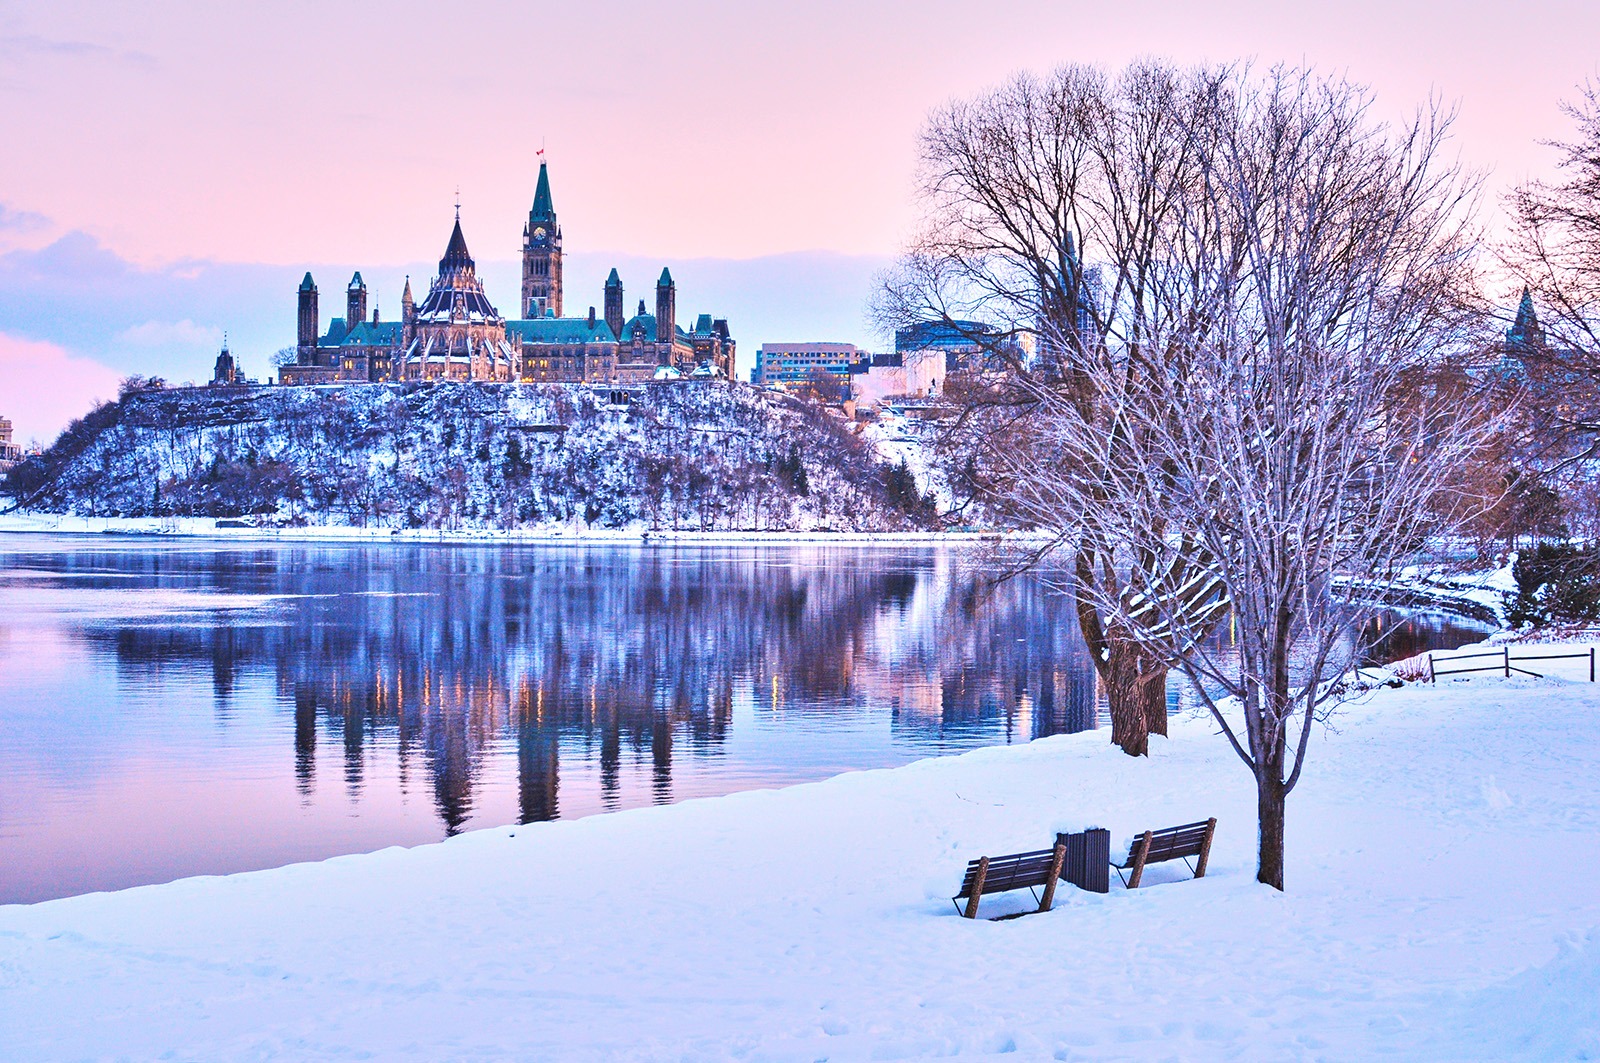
457 334
10 453
226 371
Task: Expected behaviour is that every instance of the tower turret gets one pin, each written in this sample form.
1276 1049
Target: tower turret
666 307
355 302
306 333
226 371
408 305
541 254
613 304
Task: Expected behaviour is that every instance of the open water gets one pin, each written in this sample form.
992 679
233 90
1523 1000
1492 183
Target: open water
181 707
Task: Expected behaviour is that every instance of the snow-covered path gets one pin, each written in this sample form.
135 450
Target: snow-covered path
1443 904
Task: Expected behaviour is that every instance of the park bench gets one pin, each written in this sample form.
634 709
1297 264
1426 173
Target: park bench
1079 858
1154 846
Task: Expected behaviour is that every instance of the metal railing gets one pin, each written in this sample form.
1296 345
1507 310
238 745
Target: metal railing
1508 663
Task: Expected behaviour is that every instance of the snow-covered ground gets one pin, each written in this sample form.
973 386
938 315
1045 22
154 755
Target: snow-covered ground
1443 904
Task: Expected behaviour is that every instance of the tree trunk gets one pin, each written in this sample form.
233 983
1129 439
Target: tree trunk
1269 812
1136 695
1154 683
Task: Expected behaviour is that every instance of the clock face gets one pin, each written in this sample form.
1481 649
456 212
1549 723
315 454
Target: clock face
539 234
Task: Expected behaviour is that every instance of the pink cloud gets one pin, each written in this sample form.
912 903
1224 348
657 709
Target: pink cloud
43 387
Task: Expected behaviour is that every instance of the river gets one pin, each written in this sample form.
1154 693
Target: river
173 707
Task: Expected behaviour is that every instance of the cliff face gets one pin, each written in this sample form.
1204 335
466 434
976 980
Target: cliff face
446 455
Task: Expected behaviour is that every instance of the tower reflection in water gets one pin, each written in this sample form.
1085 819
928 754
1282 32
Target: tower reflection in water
633 662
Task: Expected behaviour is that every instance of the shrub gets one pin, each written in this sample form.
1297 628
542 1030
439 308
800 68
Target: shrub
1557 583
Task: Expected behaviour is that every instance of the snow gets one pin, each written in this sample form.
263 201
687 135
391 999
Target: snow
456 456
1441 905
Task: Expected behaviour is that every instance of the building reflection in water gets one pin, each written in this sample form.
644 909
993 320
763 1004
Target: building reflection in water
212 709
630 661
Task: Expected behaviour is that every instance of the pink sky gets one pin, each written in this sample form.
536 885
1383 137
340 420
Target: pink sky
326 131
50 387
285 135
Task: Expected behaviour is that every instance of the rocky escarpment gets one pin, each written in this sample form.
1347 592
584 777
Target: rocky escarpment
454 455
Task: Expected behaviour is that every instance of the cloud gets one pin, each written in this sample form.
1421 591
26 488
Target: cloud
26 45
183 334
21 221
43 387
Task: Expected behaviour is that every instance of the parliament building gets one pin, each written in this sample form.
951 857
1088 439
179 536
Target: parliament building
455 332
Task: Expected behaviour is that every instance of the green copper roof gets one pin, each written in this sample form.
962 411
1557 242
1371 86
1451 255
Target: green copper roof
666 278
309 285
356 282
1525 314
612 281
560 330
370 334
541 196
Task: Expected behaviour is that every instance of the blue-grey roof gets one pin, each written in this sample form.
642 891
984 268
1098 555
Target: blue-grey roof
335 334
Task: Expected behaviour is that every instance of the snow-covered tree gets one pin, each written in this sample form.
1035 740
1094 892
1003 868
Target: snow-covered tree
1281 449
1022 187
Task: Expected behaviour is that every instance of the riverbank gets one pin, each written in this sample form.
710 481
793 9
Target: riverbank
1441 906
210 528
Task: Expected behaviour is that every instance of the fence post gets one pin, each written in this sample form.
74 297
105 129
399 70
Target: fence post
1508 662
1432 678
1591 664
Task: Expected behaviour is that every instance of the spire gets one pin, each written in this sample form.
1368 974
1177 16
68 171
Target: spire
666 278
456 256
1525 331
356 283
308 285
1525 313
541 196
405 297
612 281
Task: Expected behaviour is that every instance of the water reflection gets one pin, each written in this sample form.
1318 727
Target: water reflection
178 708
499 684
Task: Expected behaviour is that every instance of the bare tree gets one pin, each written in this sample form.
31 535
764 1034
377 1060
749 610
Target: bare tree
1313 280
1555 362
1019 186
1556 247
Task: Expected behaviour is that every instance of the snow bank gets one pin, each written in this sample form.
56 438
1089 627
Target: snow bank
1441 906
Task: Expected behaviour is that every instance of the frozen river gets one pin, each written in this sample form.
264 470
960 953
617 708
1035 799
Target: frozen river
181 707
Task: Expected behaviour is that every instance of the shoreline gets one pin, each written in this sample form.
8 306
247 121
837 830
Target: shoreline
208 528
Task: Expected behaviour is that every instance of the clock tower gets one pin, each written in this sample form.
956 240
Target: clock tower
541 254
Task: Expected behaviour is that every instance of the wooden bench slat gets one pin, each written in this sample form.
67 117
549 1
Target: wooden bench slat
1173 843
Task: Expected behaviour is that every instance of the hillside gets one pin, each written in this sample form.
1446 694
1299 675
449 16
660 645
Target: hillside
451 455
